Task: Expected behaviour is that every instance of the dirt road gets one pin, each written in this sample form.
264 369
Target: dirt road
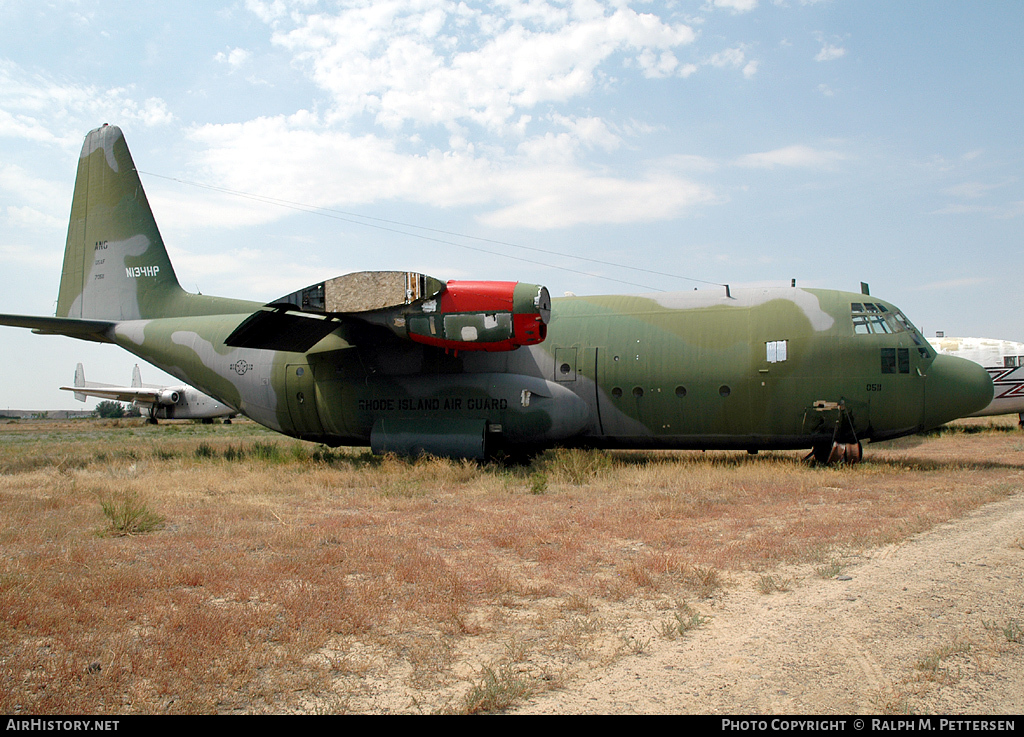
932 625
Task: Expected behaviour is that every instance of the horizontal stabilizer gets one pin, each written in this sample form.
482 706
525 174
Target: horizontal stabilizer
96 330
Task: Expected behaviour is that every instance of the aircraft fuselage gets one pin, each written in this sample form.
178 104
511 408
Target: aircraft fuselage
408 363
771 368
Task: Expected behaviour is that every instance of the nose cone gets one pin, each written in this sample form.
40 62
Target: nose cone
955 387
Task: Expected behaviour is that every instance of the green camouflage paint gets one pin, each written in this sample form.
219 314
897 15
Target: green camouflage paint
746 369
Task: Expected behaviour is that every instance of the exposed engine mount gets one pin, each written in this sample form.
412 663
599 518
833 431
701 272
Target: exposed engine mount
482 316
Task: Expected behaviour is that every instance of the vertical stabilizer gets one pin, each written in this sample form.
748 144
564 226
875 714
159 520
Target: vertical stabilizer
115 264
136 377
80 381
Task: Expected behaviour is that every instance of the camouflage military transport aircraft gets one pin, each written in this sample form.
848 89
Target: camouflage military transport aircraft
409 364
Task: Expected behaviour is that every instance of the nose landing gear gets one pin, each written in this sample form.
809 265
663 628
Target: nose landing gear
830 454
833 450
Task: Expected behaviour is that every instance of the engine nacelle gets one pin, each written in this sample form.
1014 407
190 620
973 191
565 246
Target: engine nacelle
168 397
457 316
482 316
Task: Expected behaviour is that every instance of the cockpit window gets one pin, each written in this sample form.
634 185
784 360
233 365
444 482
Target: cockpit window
870 318
868 324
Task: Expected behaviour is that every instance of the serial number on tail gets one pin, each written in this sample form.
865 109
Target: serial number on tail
133 272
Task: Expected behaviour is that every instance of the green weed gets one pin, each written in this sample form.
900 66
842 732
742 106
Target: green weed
127 514
499 688
685 619
768 584
1011 630
829 570
575 466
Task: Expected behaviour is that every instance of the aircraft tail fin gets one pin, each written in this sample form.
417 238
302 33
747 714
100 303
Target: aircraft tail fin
80 381
115 263
136 377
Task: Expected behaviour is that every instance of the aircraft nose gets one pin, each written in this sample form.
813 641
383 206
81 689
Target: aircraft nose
955 387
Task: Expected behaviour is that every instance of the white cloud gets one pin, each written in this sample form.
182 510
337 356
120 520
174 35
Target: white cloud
21 259
39 192
736 6
441 63
152 112
657 65
503 81
300 159
591 132
38 108
829 52
28 217
728 58
556 197
235 58
179 208
268 12
791 156
734 58
541 185
257 273
43 203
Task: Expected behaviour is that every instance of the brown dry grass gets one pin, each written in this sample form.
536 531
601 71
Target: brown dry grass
289 578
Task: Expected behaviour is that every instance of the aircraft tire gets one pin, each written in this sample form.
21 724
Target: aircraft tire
822 453
829 455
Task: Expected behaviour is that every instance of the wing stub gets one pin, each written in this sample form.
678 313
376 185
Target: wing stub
455 316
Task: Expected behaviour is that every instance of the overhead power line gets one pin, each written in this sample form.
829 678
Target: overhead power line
394 226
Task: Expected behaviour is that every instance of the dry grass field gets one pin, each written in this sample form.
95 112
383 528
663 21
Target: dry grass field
189 568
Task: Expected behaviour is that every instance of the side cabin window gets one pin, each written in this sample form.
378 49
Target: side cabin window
895 360
776 351
1012 361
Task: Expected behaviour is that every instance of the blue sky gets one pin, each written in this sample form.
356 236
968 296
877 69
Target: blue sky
731 141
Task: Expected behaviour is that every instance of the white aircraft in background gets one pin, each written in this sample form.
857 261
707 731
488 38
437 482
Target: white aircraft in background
163 402
1004 361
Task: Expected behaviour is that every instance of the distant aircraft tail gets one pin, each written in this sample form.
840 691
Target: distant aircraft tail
115 263
80 381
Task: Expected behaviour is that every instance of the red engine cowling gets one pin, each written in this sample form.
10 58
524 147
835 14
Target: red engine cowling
483 316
